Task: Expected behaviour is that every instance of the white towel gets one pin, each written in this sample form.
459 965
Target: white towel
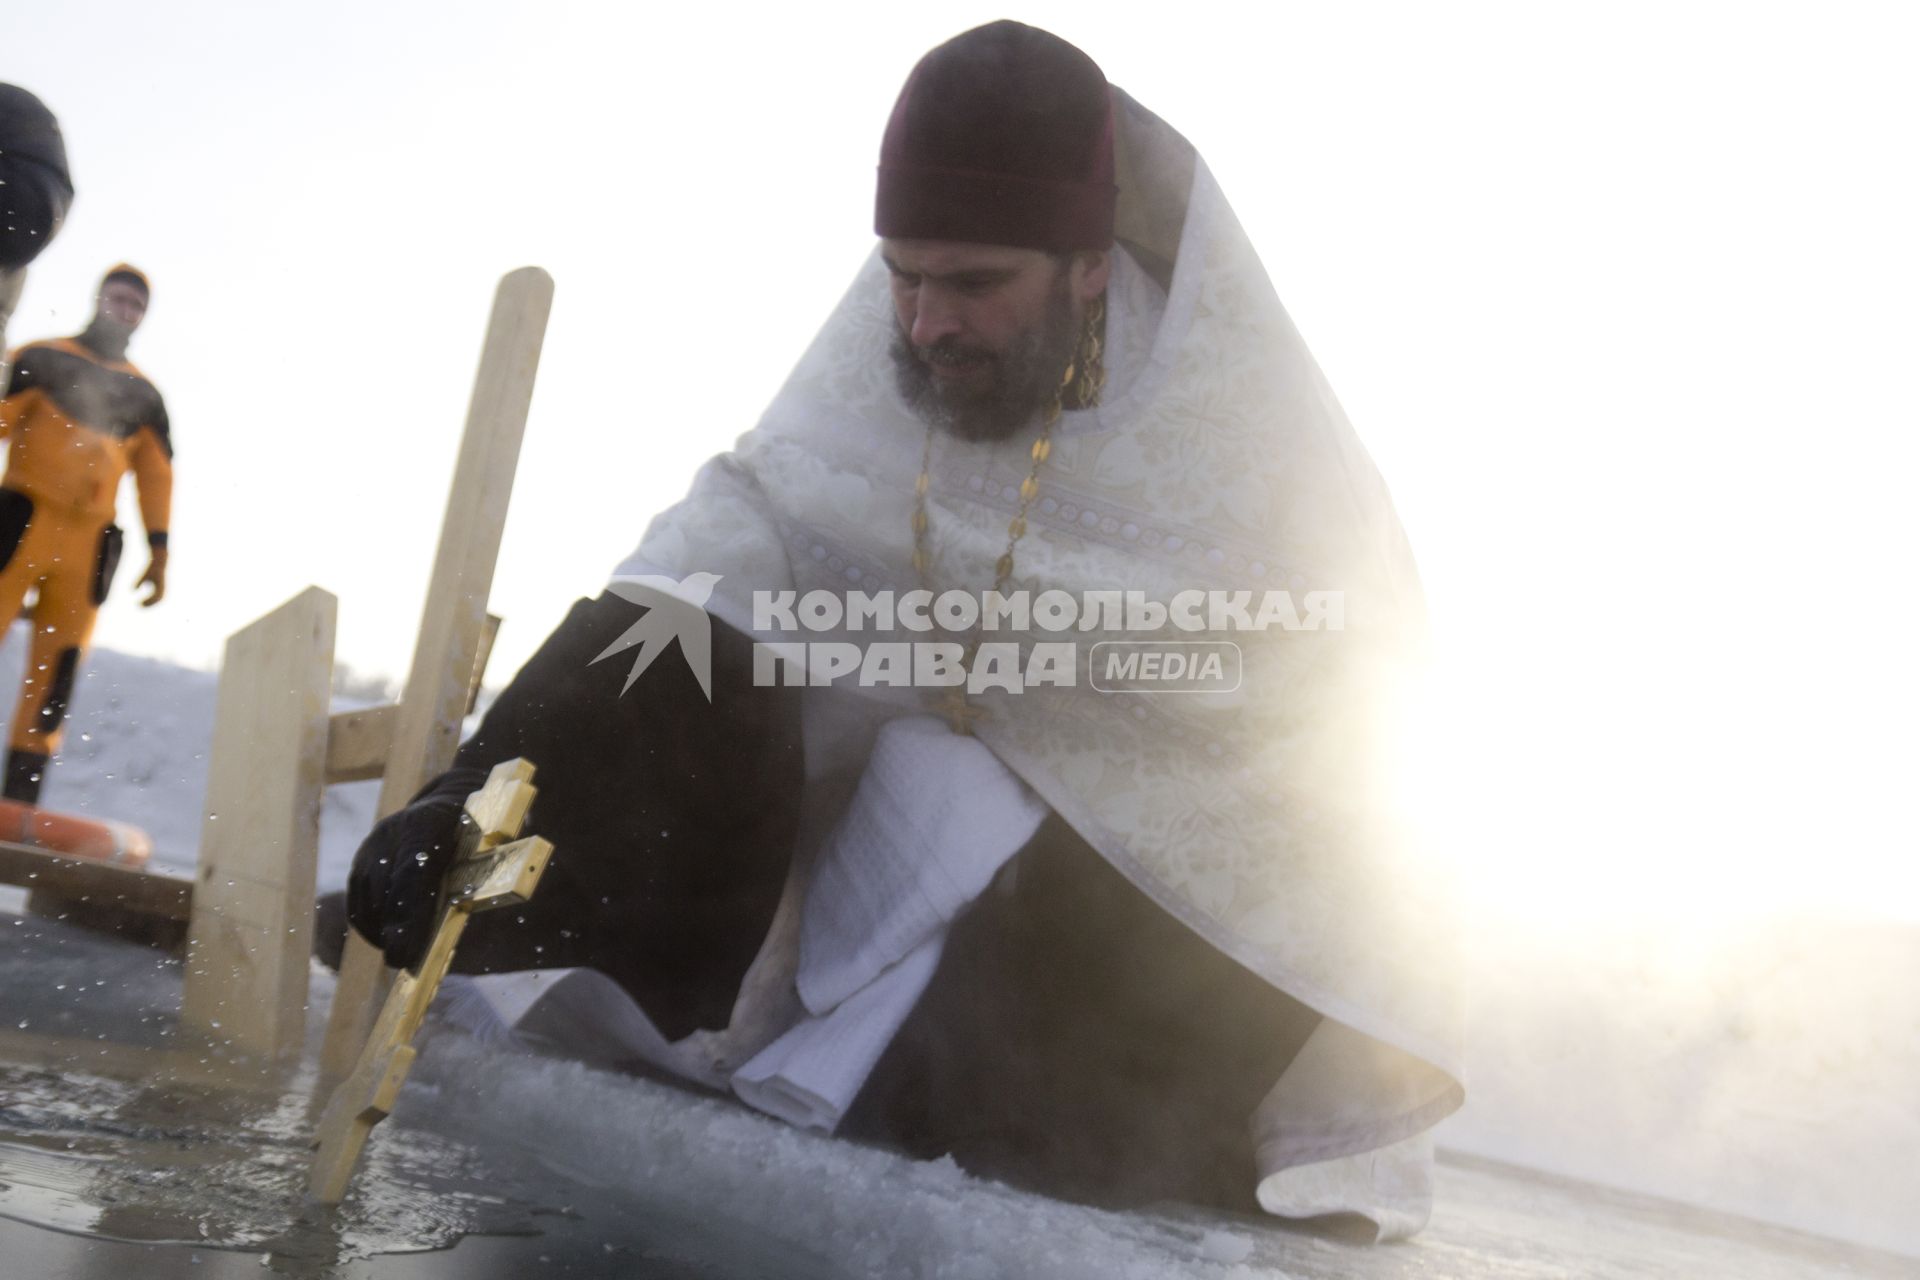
811 1075
934 817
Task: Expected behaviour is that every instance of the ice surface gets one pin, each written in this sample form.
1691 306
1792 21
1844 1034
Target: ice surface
1770 1069
629 1177
1768 1072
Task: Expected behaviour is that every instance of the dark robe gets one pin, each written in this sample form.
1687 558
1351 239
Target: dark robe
1075 1037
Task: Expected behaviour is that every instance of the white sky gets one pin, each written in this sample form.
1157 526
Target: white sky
1622 297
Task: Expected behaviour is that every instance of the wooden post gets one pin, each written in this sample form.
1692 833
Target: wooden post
359 742
489 632
426 727
251 929
488 872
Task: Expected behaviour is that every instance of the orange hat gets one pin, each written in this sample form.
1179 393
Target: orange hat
132 275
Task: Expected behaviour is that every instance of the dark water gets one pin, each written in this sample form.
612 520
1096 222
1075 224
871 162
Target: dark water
127 1153
190 1161
112 1177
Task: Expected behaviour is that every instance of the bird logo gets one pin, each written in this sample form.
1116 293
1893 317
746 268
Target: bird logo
674 611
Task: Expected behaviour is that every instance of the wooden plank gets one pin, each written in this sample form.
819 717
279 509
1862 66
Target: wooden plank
84 880
151 1066
489 632
162 933
251 930
358 742
427 727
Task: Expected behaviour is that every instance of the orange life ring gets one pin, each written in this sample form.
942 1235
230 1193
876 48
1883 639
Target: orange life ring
97 838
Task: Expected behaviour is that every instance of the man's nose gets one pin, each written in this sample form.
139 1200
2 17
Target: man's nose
934 318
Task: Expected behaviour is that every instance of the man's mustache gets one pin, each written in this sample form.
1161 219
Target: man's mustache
948 351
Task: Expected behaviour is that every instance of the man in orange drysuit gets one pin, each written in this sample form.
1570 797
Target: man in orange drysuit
78 417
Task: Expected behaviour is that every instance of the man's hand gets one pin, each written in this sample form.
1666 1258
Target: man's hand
156 576
393 892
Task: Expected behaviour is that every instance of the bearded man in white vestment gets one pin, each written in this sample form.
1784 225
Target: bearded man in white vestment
1117 946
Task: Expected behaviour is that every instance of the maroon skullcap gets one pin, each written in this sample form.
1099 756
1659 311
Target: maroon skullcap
1002 135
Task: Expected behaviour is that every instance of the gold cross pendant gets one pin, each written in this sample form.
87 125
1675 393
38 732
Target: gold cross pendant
491 869
959 712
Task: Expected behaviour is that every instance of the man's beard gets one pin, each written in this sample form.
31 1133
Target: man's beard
1019 382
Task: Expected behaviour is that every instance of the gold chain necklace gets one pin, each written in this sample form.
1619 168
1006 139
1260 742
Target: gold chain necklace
1085 375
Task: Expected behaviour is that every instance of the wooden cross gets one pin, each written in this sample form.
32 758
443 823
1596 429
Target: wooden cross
487 872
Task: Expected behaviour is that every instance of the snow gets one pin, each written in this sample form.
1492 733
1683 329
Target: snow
136 749
1766 1070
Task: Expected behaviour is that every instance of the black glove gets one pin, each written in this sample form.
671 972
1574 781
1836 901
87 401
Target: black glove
393 892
